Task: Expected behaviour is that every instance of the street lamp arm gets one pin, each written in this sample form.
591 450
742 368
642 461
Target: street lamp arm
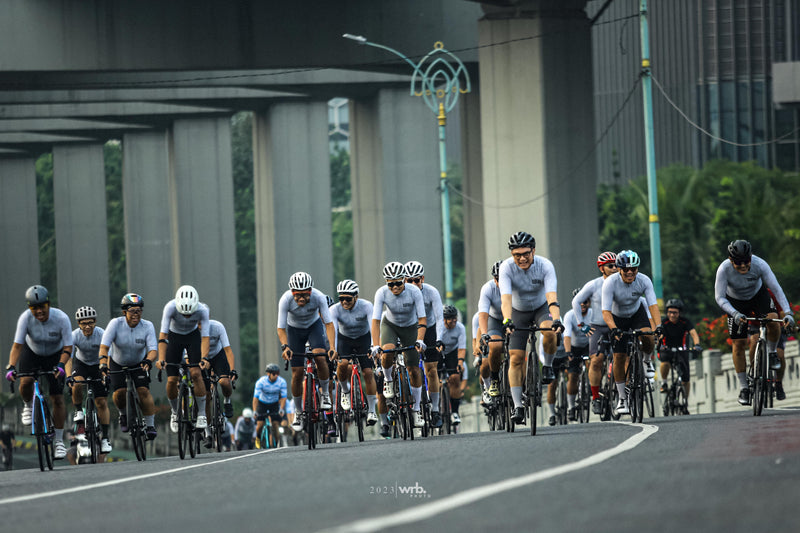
360 39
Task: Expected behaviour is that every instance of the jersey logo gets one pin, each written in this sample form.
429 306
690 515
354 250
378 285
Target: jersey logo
54 334
139 341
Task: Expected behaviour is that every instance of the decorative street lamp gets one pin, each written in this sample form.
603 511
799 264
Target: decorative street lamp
439 78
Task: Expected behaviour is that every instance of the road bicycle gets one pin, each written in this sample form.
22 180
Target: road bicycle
675 401
401 406
583 399
188 434
496 409
425 403
133 411
358 399
91 425
760 373
445 410
531 384
217 423
313 417
41 421
634 375
562 405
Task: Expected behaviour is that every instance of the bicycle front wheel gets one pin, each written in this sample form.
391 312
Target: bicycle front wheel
184 421
310 406
760 366
649 403
39 430
585 395
357 404
534 390
90 427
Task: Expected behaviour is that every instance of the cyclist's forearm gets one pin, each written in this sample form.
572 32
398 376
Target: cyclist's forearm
204 347
255 405
14 355
505 305
608 318
282 337
423 321
229 356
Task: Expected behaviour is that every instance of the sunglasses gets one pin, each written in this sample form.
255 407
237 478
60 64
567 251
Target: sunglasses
740 262
629 269
413 280
134 310
522 254
301 294
36 307
86 324
395 283
347 299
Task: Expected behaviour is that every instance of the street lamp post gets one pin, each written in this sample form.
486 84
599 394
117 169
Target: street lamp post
438 68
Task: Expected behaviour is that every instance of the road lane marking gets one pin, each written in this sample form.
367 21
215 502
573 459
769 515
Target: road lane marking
430 510
31 497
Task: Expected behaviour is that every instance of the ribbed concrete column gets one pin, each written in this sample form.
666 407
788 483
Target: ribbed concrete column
148 227
395 176
293 207
201 196
476 262
19 239
79 191
537 132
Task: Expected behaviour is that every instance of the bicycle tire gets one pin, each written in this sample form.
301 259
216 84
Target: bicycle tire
133 422
357 403
49 441
183 422
757 398
309 410
38 430
508 400
90 427
534 390
444 408
218 420
638 390
194 433
680 401
408 401
561 402
584 398
649 402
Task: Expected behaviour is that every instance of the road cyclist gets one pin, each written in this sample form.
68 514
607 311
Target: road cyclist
269 399
673 350
454 352
576 346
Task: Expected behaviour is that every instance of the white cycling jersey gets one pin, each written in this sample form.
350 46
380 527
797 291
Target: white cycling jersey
303 317
355 322
433 308
130 345
87 349
527 287
172 320
622 299
730 283
489 301
44 338
455 338
591 290
573 331
217 338
402 310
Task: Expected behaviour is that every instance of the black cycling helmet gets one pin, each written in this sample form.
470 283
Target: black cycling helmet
674 302
740 250
521 239
36 295
575 292
496 269
131 300
450 311
272 368
329 300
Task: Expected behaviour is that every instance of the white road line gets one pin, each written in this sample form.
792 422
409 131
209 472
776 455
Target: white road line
429 510
31 497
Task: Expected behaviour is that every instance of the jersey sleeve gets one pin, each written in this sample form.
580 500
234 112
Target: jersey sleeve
205 327
721 290
584 294
377 306
166 316
569 318
550 279
504 278
150 340
110 333
438 312
462 337
22 328
283 310
607 293
772 283
283 388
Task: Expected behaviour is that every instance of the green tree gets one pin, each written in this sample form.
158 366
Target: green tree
46 222
117 273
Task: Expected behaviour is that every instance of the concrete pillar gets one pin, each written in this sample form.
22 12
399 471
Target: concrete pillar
79 192
538 135
201 196
395 169
476 263
292 207
148 221
19 239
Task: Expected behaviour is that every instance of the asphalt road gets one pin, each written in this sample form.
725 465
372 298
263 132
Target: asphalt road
725 472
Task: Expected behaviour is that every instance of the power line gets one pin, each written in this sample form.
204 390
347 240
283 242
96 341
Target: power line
708 133
570 175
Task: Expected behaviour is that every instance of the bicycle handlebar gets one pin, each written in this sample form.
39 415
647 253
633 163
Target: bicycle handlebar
398 350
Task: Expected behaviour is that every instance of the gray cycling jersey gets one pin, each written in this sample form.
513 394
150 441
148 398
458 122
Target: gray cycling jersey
130 345
489 301
172 320
87 349
622 299
433 308
352 323
527 287
454 339
573 331
402 310
302 317
44 338
591 290
476 324
217 338
731 284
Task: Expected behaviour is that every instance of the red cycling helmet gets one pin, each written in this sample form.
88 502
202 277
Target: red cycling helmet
606 258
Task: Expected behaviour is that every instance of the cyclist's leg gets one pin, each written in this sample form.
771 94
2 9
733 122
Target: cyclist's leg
175 347
432 359
516 351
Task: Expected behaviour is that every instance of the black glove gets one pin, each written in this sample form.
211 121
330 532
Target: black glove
557 325
508 326
485 338
439 344
234 374
660 331
147 364
616 333
104 368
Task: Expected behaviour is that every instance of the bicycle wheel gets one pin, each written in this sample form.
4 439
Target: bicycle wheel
648 398
218 420
193 433
90 428
584 398
309 406
561 402
508 400
408 403
680 400
444 409
49 441
759 378
183 421
358 404
638 389
134 428
39 431
534 390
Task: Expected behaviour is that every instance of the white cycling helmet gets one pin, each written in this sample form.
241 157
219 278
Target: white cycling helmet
394 270
300 281
186 300
414 269
347 286
85 313
247 412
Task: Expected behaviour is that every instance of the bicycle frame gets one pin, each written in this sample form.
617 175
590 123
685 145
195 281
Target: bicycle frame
358 401
311 400
41 422
760 373
401 410
91 423
136 426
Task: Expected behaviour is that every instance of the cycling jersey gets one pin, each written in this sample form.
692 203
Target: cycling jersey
577 338
267 391
402 310
527 287
130 345
489 301
591 290
172 320
354 322
675 334
44 338
87 349
433 309
622 299
302 317
455 338
217 338
731 284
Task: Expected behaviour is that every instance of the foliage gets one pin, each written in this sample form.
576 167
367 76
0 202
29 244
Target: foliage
341 216
117 274
46 223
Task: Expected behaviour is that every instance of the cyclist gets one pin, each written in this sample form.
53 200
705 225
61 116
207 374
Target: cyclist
221 366
576 346
351 320
478 361
676 328
454 350
560 363
7 443
740 289
528 288
245 430
185 328
302 311
622 310
415 274
269 398
86 364
778 366
79 452
596 326
490 320
134 342
43 341
405 318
